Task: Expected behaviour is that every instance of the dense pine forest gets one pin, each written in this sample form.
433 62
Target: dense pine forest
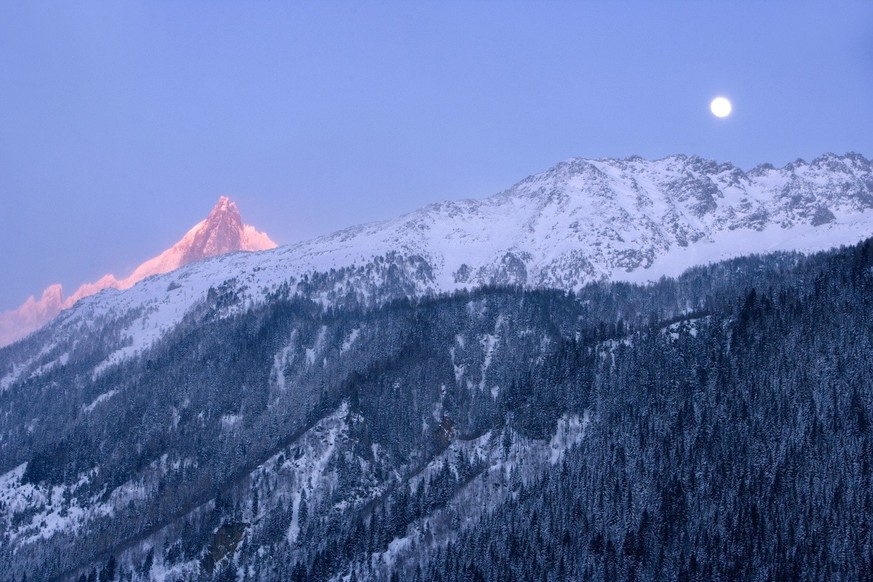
712 427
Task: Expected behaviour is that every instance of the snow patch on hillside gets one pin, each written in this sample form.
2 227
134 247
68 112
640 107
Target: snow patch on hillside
102 398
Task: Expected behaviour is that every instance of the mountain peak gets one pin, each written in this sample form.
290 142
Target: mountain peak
224 206
222 232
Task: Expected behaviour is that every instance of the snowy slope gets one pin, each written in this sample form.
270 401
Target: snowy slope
580 221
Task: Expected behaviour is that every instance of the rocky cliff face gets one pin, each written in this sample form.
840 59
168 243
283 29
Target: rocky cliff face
222 232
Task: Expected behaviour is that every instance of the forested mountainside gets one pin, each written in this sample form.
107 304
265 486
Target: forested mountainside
716 426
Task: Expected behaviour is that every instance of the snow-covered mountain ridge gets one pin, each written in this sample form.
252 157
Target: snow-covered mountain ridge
588 220
578 222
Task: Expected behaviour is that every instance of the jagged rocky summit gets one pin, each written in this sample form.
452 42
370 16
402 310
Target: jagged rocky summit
220 233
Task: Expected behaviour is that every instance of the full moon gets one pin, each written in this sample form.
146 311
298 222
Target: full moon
720 107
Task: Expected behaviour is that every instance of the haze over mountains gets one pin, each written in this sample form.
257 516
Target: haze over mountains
221 232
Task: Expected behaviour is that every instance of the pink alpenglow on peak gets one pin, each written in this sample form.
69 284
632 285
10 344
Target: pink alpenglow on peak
220 233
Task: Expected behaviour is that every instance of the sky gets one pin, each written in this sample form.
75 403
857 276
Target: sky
121 123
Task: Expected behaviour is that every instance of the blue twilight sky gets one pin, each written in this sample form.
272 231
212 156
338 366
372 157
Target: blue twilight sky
122 122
